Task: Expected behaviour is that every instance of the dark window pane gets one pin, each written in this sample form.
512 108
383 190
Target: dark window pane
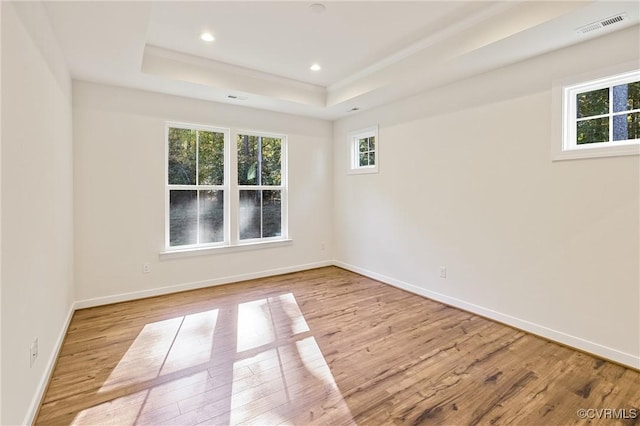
626 126
247 160
250 202
183 218
372 158
363 145
593 103
270 163
372 143
271 213
364 159
182 156
626 97
211 216
210 158
592 131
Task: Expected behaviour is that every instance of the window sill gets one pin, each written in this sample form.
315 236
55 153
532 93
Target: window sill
204 251
363 170
596 152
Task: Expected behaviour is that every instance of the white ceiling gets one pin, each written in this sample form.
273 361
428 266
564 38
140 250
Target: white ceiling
286 38
370 52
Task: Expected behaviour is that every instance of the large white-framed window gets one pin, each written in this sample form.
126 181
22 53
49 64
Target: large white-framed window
197 181
261 186
224 188
364 151
600 117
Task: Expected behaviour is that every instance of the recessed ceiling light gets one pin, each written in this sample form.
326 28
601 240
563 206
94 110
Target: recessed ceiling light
207 36
315 67
317 8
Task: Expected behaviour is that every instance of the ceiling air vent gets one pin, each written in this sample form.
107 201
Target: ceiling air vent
603 23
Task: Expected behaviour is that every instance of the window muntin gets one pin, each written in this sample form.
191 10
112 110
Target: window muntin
602 113
260 186
363 147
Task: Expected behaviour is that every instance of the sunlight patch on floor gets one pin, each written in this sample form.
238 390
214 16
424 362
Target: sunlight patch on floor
284 382
254 325
287 377
123 410
263 368
193 343
164 347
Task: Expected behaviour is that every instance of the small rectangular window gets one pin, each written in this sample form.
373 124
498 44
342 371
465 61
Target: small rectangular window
601 117
363 148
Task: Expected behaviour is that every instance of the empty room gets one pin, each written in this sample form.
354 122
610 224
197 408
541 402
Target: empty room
320 213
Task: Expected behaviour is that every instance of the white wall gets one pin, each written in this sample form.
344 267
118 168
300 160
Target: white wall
0 221
119 139
466 182
37 206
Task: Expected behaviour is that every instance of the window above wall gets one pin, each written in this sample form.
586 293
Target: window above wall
364 151
600 117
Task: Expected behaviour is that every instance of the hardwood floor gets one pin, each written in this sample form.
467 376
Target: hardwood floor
324 346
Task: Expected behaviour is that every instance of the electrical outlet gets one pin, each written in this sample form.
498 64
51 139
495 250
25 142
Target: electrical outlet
146 268
443 272
33 353
322 246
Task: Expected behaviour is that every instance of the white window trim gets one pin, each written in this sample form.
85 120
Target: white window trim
354 151
563 146
231 242
224 249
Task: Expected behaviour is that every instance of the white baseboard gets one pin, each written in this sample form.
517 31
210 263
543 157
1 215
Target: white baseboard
88 303
48 370
617 356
